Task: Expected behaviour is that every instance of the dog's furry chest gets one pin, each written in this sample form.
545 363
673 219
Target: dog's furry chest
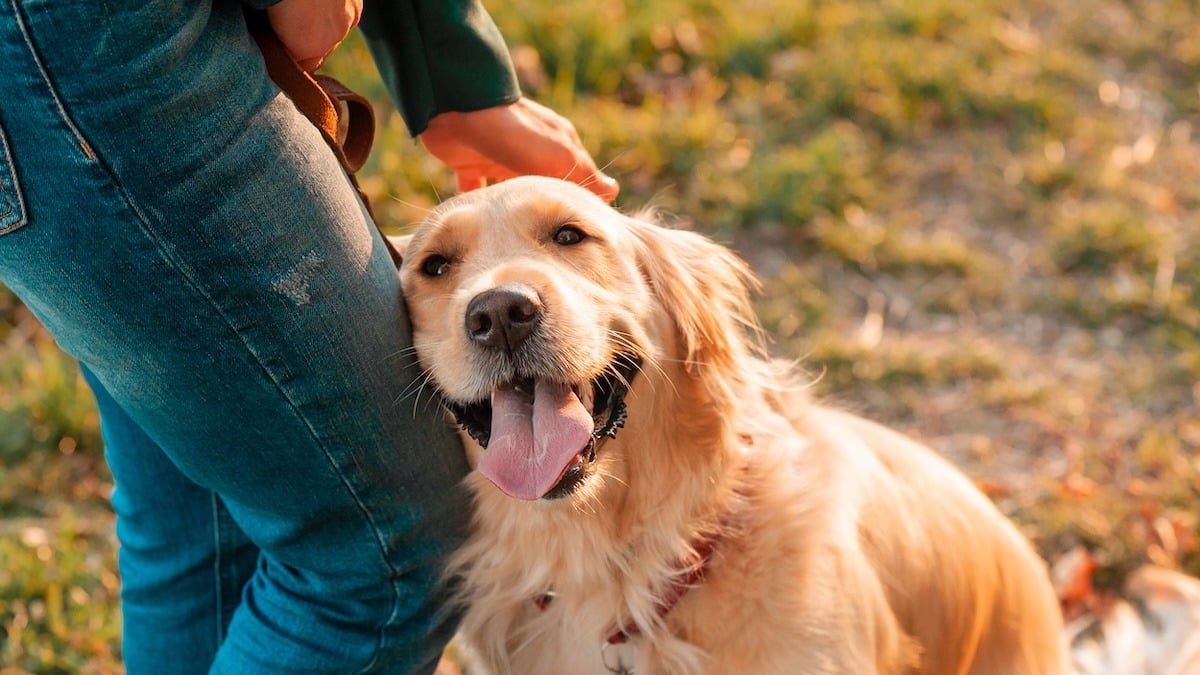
549 603
601 580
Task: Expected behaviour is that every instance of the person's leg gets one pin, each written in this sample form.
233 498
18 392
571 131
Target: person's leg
191 240
182 574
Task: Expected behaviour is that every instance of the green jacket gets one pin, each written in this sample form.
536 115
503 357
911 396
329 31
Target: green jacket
436 56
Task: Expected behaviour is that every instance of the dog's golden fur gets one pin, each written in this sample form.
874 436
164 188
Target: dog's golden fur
844 547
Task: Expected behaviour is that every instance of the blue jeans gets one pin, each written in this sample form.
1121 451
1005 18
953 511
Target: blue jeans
284 498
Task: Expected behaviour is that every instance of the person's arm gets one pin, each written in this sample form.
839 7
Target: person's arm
450 75
438 56
449 72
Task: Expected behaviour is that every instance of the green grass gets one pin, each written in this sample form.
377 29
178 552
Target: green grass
974 220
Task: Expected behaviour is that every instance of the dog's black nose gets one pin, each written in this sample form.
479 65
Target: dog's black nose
503 317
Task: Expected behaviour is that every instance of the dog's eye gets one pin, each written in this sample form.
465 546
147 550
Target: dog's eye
435 266
569 235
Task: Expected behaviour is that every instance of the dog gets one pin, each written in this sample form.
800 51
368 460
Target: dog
654 495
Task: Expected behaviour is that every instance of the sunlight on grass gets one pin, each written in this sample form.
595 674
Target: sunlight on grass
58 598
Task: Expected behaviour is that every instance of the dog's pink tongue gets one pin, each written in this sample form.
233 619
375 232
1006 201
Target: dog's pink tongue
534 439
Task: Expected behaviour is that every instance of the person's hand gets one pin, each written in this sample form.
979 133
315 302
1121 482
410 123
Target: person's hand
510 140
311 29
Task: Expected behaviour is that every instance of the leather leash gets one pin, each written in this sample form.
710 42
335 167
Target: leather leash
345 119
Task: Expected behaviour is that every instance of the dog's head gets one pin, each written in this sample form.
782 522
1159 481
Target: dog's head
538 310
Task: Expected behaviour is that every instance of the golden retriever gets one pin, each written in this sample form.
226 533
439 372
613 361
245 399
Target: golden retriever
654 496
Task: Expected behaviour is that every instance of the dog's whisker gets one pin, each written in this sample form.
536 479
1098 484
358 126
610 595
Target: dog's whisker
617 479
571 170
414 389
622 339
433 186
410 350
625 343
425 381
612 161
595 177
412 205
588 504
654 364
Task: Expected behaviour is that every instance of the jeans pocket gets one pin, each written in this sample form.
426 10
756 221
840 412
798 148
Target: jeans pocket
12 205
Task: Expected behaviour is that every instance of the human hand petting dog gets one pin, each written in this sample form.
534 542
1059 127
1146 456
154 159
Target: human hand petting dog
312 29
497 143
506 141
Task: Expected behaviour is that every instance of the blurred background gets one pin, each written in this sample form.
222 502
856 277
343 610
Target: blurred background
974 220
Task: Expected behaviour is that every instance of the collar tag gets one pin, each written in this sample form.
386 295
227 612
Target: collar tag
616 657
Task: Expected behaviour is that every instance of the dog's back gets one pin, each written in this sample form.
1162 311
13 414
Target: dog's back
965 588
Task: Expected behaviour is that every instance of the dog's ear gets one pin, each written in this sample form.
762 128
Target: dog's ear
400 243
705 288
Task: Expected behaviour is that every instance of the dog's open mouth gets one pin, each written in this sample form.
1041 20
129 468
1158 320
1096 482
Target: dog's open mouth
540 437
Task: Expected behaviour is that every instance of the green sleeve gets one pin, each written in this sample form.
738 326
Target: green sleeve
438 56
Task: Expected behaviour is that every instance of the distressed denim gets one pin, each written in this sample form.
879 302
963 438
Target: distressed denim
284 501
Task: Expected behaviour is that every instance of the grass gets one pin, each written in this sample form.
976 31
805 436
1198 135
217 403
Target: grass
974 220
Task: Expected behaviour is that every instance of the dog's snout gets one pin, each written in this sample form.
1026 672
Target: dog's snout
504 317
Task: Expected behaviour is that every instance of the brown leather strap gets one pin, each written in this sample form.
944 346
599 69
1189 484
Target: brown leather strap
345 119
356 122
